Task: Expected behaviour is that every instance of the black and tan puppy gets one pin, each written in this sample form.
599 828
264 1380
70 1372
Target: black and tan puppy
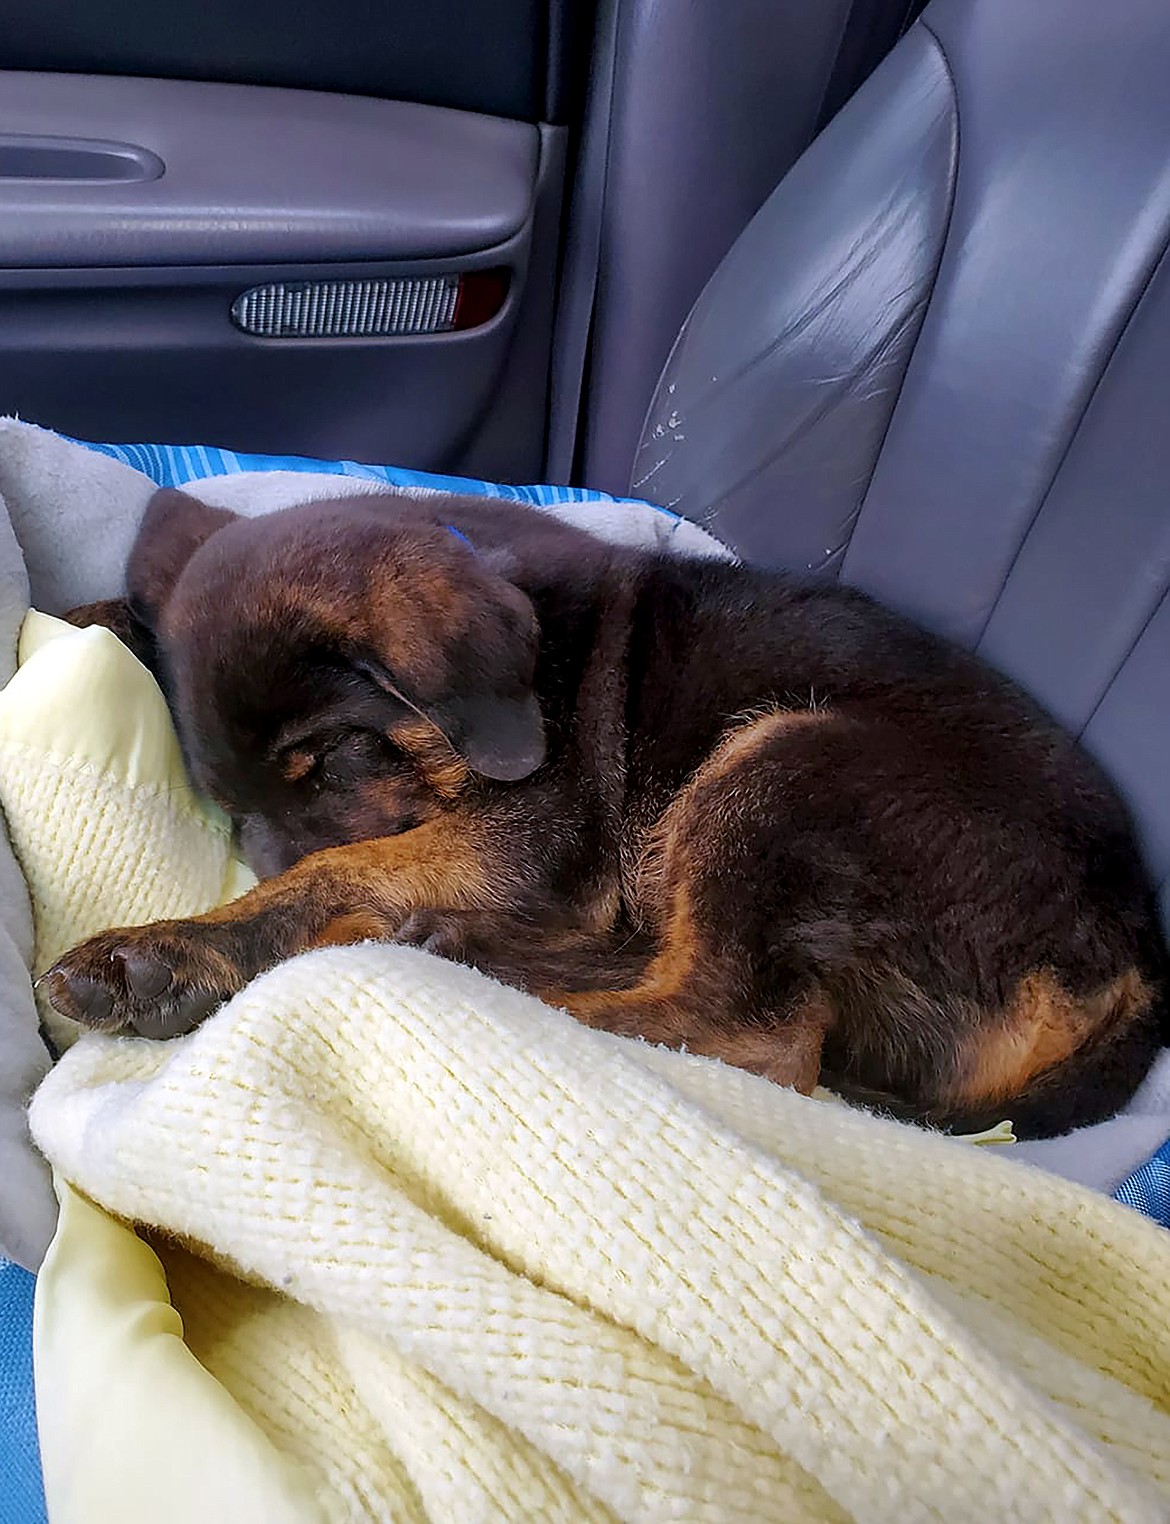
770 822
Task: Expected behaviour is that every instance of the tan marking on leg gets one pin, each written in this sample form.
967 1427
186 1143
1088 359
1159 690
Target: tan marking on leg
684 997
345 930
737 750
787 1053
435 866
342 894
1042 1026
671 968
749 736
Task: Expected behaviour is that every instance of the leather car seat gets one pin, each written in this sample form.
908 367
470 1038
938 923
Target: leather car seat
936 364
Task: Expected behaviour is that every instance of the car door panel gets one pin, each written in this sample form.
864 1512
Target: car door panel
258 175
120 286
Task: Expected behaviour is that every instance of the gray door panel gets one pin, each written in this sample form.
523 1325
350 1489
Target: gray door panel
117 287
251 175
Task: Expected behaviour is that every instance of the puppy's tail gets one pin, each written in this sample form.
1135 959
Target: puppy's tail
1090 1085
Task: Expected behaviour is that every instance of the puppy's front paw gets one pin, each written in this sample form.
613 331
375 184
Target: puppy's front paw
155 981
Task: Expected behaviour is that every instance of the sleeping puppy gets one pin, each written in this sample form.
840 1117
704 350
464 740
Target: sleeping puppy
708 806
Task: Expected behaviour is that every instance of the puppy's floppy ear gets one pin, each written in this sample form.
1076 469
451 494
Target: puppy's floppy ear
458 645
116 615
173 528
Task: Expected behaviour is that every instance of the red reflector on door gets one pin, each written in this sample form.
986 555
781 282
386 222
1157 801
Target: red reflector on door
481 295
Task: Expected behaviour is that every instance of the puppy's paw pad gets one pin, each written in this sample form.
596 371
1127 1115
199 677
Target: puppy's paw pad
80 997
153 983
147 975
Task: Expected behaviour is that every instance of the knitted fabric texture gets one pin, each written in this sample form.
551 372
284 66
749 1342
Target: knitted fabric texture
450 1256
464 1259
100 815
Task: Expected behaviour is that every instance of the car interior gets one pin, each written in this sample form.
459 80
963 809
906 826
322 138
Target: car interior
867 290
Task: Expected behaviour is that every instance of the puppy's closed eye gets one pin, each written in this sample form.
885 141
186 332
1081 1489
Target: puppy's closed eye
338 758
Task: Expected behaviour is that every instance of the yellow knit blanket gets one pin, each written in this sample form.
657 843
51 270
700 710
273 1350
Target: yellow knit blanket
441 1254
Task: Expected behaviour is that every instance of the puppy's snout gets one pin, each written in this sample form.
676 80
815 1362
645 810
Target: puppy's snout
266 851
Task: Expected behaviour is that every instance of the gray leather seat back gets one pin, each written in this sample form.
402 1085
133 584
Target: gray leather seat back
695 112
937 363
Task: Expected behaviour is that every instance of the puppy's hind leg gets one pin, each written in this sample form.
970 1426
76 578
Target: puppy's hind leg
728 978
783 1046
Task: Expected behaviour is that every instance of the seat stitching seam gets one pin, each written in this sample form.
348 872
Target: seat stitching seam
863 498
1130 649
1058 467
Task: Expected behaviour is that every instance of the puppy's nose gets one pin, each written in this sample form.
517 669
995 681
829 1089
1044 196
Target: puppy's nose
268 850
